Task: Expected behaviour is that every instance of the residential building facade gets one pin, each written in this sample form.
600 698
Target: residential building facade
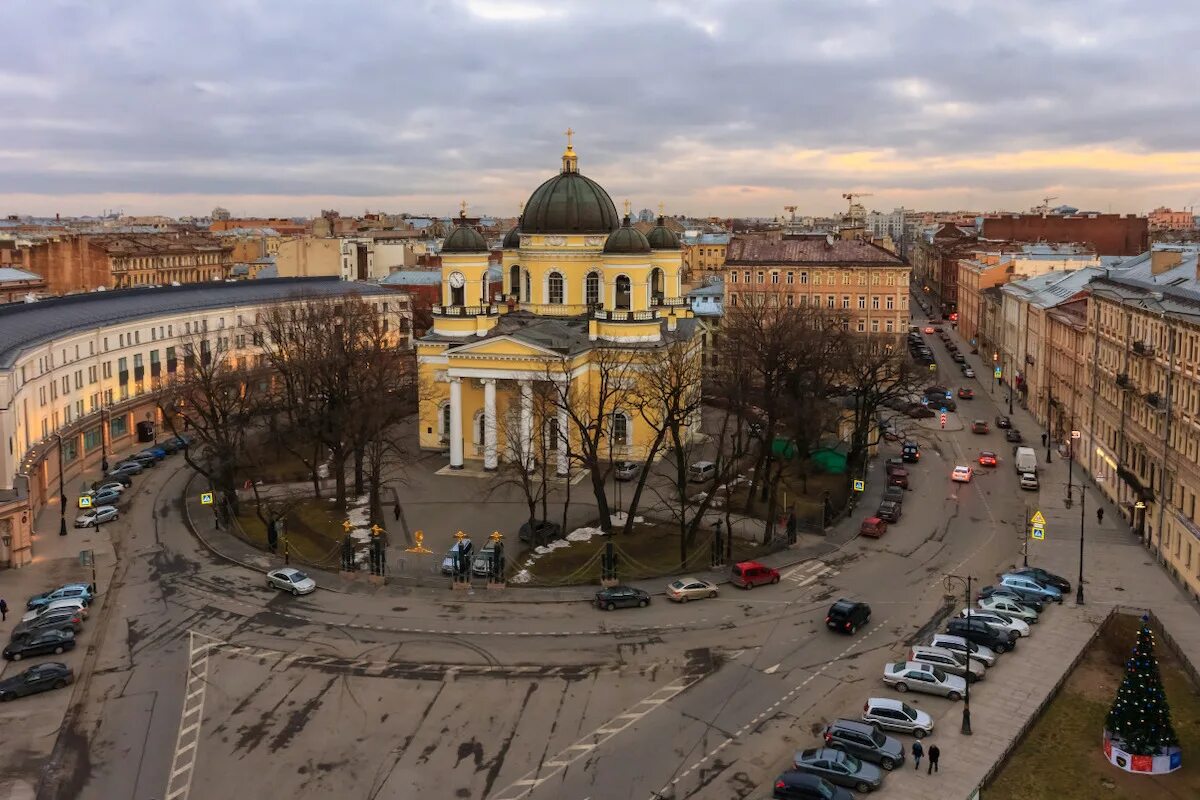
85 262
1164 219
703 254
1108 234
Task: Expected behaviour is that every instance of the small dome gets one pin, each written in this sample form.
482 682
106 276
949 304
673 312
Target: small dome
512 239
662 237
626 240
464 239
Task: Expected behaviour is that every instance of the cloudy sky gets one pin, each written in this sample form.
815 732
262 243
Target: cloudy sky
711 107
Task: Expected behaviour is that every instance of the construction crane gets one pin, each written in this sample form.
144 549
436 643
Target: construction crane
1045 206
849 198
791 209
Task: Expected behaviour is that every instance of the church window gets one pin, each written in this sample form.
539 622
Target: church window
623 292
592 289
620 428
528 290
554 285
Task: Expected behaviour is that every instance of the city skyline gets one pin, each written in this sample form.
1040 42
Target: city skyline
707 107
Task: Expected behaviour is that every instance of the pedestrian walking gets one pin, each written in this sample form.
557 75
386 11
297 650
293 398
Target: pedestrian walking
396 511
3 610
1099 516
1043 440
934 752
917 751
791 527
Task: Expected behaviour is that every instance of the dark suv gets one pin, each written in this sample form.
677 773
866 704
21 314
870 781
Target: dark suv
980 632
864 740
910 452
848 616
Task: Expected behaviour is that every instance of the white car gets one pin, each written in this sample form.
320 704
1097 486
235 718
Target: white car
948 661
1001 622
1029 480
906 675
95 516
291 580
894 715
962 474
107 486
1009 607
76 603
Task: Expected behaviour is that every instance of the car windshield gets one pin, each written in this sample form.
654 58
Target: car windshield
908 711
850 761
677 585
941 676
878 738
298 576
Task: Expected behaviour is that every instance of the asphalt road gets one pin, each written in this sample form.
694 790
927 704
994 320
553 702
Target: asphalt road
429 694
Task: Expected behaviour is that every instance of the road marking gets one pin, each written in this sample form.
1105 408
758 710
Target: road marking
771 670
183 763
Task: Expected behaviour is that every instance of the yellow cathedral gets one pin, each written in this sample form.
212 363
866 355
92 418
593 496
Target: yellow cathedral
580 286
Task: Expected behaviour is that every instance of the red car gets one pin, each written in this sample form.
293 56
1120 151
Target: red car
929 330
966 394
873 527
987 458
749 574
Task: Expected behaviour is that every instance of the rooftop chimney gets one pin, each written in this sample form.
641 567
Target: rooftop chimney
1163 260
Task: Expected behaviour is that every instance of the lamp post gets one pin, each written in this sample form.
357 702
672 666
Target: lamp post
966 714
1049 430
1071 460
62 490
1079 583
1008 372
103 441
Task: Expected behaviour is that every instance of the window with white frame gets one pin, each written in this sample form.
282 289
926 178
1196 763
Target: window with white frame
620 429
554 288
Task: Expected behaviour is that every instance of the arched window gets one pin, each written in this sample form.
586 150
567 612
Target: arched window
591 291
622 292
456 295
444 419
528 290
620 429
554 288
656 286
514 281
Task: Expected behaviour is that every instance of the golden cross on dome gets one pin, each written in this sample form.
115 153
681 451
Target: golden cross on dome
627 205
660 208
463 208
569 133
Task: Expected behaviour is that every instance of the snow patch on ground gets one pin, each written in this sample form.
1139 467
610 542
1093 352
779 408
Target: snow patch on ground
577 535
523 576
583 534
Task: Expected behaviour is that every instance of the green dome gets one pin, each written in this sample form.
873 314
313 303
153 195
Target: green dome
569 203
512 239
464 239
662 237
626 240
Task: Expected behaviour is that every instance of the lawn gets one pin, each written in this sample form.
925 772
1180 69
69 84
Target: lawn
314 531
651 551
1062 758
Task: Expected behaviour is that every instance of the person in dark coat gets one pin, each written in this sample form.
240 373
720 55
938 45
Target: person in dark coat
791 527
1099 516
3 610
396 511
934 754
917 752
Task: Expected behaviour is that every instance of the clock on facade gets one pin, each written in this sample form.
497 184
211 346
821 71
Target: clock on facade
457 280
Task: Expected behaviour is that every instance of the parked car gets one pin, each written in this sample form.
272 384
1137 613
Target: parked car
893 464
481 565
290 579
684 589
701 472
105 498
749 574
968 373
847 616
910 452
957 644
898 477
979 426
61 618
1013 435
1003 423
124 468
987 458
839 768
124 481
1011 626
873 527
1043 577
38 678
77 603
793 785
1028 599
96 516
543 531
948 661
626 470
894 493
145 459
157 453
1009 607
965 393
169 446
621 597
906 675
1028 481
1031 586
451 560
889 511
100 487
894 715
53 640
981 633
81 590
959 358
864 741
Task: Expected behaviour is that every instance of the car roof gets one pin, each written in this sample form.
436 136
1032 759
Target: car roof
963 467
884 702
854 725
749 564
842 604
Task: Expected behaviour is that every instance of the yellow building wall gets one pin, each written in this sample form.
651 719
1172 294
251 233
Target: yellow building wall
309 258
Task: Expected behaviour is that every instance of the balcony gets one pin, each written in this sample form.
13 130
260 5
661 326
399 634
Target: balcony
622 315
1143 349
670 302
464 311
1123 381
1155 401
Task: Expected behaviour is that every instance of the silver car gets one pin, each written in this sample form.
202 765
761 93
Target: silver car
1002 622
291 580
948 641
905 675
948 661
96 516
1009 607
894 715
76 603
626 470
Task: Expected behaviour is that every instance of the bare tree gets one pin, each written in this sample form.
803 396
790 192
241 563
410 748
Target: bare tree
878 374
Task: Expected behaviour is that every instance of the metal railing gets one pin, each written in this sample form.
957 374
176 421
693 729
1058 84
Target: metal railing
626 316
463 311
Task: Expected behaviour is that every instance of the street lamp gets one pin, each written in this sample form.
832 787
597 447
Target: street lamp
966 715
1079 583
1049 430
103 441
1071 459
62 490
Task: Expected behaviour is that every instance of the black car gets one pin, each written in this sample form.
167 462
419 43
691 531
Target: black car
910 452
889 511
793 785
621 597
541 532
847 616
1036 602
895 494
865 741
1045 578
53 640
959 358
39 678
1013 435
68 618
1003 422
981 633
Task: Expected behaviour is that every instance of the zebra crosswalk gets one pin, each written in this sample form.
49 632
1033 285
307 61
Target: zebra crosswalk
809 572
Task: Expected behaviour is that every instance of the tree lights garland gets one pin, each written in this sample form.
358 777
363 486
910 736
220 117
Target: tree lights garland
1140 718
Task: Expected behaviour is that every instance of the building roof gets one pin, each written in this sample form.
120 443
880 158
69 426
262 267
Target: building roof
696 237
155 244
662 237
626 241
25 325
1052 288
413 277
12 274
756 250
714 289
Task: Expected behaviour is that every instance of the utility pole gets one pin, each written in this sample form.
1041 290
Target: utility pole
1079 584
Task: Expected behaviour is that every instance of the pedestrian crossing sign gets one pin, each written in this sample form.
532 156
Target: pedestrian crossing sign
860 486
206 498
85 501
996 372
1038 520
1039 532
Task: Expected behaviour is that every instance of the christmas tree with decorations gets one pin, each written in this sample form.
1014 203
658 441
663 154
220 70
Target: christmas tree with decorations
1140 718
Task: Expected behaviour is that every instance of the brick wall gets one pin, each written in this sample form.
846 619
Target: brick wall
1110 234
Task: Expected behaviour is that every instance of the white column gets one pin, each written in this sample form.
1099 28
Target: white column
564 468
489 424
456 432
527 424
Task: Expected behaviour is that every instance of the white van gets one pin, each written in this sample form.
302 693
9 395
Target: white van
702 471
1025 460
